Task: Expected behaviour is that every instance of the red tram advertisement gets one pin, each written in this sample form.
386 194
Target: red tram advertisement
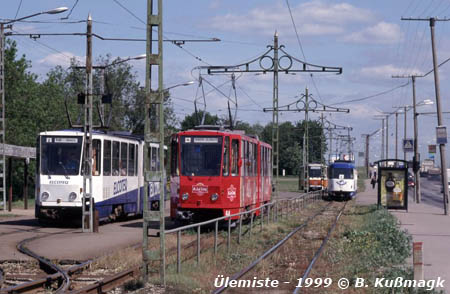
217 172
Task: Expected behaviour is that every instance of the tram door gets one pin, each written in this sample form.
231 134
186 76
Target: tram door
230 171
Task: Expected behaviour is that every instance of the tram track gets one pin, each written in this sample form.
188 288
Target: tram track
280 243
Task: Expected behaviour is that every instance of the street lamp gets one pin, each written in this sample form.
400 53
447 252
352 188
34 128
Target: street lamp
2 90
52 11
179 85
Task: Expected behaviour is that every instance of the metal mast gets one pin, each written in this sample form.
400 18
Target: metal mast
154 133
2 119
87 199
271 64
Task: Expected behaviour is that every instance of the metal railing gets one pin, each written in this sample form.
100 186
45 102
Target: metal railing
268 212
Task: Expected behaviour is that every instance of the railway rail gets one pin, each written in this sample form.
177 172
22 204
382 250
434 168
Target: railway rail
70 281
270 251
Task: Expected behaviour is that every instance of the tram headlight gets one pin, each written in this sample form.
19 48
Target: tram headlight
72 196
185 196
44 196
214 197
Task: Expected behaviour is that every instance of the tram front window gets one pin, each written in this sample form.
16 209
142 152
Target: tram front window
315 172
347 172
60 155
201 156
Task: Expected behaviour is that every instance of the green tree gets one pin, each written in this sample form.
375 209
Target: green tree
190 121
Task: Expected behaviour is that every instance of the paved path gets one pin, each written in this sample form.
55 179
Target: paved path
67 242
426 223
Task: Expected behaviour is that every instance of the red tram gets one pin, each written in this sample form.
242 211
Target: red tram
217 172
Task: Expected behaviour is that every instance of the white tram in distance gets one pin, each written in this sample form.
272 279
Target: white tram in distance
342 179
117 175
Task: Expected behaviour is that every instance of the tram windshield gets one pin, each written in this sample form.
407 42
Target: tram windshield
315 172
347 172
201 156
60 155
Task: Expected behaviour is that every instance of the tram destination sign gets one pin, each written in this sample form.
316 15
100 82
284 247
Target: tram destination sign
206 140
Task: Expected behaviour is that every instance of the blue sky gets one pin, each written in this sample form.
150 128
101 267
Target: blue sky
366 38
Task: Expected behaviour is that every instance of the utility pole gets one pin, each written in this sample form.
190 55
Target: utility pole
87 199
306 145
404 131
367 157
387 136
154 133
432 22
416 157
2 119
396 135
304 103
382 139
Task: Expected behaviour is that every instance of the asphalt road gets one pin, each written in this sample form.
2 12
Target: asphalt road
430 192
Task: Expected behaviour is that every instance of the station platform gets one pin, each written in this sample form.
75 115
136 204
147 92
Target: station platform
426 223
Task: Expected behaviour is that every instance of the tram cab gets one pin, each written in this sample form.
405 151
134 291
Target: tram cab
217 172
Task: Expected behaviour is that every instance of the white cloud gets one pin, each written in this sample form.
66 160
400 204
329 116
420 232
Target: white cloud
311 18
62 59
380 33
386 71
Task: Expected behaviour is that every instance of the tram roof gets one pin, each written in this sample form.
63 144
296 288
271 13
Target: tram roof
79 132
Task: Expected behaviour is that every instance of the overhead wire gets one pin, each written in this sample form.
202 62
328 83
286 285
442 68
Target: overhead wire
372 96
178 45
18 9
301 48
71 10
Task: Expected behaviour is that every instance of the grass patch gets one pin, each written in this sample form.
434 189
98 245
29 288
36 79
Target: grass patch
288 184
20 204
370 245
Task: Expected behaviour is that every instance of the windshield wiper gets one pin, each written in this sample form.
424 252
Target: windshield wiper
65 171
48 173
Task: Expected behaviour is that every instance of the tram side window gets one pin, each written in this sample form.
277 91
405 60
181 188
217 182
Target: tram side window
115 159
226 157
123 158
255 160
234 157
107 158
247 162
136 150
174 157
131 156
96 155
262 165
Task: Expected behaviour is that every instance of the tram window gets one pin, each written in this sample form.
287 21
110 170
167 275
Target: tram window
136 148
246 158
174 157
131 156
107 158
165 158
115 159
226 157
123 158
255 160
262 164
234 157
96 154
153 159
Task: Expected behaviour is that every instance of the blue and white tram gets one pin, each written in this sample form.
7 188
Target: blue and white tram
117 175
342 179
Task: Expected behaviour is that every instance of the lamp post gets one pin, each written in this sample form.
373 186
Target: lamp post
2 90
